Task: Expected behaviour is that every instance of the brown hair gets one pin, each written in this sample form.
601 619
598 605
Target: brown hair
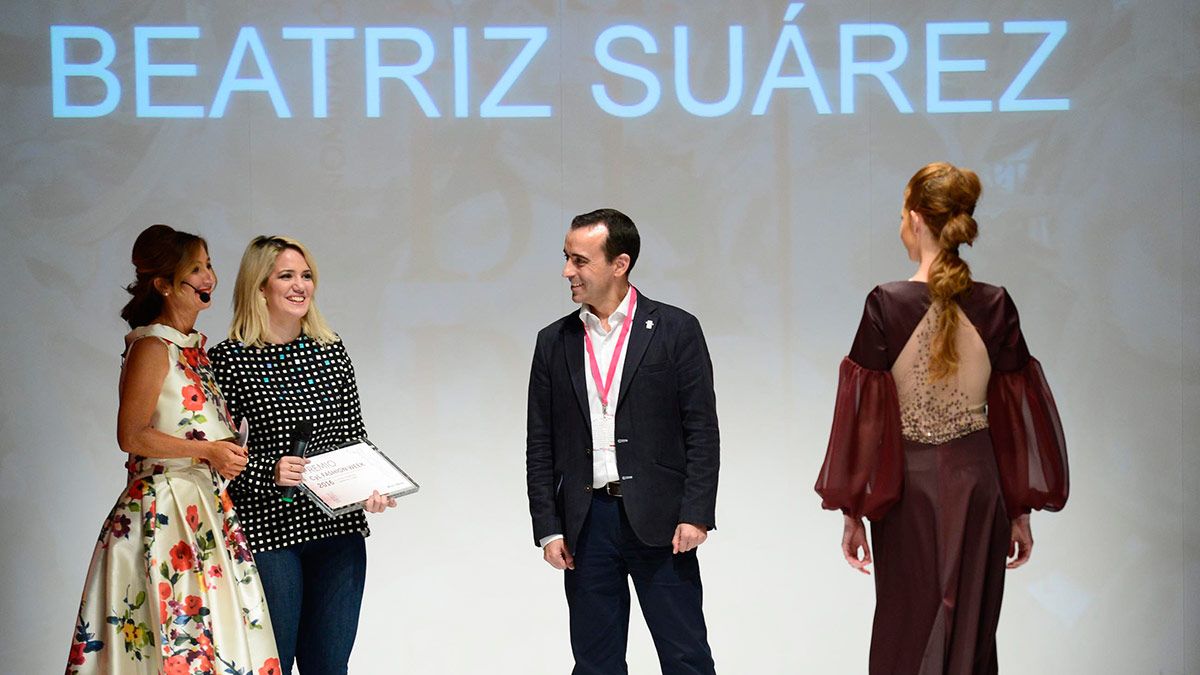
945 196
160 252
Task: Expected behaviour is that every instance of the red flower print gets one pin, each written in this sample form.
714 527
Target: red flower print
163 617
193 398
204 644
164 590
192 605
193 517
270 667
193 376
226 502
76 658
215 572
202 664
192 355
176 665
195 356
181 556
135 489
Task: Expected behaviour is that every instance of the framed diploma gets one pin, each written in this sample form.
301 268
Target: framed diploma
339 481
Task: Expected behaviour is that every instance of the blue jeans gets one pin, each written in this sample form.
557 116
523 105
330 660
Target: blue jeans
314 591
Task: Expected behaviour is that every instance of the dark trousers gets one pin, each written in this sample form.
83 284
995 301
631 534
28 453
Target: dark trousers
668 589
314 591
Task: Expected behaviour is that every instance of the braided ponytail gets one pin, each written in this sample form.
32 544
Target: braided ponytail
945 196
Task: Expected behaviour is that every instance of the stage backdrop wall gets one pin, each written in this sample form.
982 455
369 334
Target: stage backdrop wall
431 154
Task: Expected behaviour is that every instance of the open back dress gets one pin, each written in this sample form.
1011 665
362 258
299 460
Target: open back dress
941 466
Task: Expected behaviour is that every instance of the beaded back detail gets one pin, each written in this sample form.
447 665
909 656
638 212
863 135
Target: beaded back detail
937 411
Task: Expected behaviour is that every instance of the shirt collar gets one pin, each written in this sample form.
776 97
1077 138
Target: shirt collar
592 321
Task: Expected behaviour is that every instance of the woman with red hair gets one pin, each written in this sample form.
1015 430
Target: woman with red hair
945 436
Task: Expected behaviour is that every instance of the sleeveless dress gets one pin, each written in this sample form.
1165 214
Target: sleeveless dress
941 466
172 587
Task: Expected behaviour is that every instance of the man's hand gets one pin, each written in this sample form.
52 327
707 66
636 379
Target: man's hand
688 537
558 556
854 539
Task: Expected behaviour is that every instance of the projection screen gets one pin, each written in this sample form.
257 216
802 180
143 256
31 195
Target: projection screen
432 154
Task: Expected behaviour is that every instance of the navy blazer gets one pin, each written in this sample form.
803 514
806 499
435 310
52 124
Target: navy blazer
667 443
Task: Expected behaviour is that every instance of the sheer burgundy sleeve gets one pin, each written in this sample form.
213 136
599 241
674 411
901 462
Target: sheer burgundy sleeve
863 470
1027 434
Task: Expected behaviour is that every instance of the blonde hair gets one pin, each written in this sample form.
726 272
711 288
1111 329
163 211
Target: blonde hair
945 196
250 318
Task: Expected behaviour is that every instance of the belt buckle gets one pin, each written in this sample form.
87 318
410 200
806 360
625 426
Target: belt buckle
613 488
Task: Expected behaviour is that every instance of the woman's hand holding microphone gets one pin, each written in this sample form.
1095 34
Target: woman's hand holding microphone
289 471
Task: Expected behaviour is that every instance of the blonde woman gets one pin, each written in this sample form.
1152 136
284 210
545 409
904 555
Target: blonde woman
283 365
945 436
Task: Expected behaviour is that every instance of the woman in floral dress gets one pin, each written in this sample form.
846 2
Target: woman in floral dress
172 587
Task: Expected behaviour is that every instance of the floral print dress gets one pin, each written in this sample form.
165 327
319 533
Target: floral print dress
172 587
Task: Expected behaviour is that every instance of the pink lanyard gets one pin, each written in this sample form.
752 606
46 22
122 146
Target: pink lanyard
603 387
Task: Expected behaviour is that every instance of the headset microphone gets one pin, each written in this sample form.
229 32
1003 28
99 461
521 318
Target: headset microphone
205 296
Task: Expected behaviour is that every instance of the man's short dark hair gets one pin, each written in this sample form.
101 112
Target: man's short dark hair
622 233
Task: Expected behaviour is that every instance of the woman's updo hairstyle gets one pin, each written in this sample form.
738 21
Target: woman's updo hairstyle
160 252
945 196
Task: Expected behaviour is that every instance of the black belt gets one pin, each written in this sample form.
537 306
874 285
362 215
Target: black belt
612 489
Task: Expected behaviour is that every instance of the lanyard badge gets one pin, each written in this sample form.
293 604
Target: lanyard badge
604 386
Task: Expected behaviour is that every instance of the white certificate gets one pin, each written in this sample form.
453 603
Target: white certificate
339 481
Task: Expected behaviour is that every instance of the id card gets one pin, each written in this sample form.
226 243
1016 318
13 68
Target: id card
604 431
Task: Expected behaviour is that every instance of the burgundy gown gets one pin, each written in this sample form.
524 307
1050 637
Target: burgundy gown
940 467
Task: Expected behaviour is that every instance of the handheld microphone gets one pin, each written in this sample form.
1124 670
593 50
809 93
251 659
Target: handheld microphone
205 296
301 436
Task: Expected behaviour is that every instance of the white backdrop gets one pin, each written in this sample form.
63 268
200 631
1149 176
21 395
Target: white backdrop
439 244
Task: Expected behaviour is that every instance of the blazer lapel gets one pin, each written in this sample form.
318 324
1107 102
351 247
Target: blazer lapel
572 336
640 335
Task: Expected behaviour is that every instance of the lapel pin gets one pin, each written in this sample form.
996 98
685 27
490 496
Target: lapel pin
649 324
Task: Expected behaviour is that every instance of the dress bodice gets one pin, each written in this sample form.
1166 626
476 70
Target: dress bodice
189 404
886 398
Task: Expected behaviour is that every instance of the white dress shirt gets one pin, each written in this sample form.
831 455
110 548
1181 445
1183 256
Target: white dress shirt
604 343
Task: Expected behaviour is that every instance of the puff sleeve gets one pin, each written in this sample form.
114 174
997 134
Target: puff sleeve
1027 434
862 474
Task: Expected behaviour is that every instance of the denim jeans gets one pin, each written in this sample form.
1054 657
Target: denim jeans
314 591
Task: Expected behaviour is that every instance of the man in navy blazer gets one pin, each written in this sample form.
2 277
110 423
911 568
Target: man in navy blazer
622 455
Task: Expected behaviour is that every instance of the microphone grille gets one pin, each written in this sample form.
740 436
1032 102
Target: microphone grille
304 429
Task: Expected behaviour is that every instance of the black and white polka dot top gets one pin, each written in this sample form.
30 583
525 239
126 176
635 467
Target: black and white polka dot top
275 387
